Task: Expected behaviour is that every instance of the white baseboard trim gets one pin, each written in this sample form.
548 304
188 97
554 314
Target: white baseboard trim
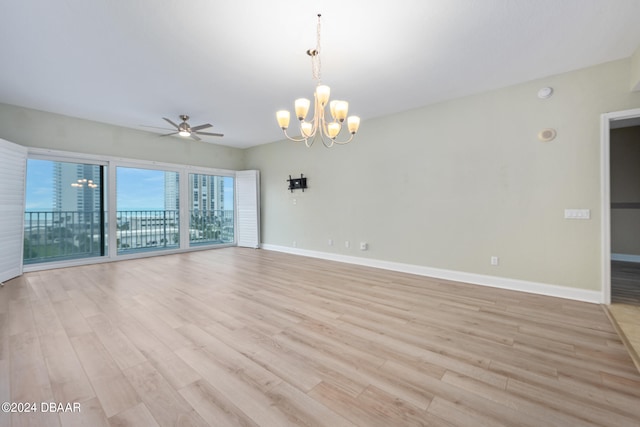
457 276
625 257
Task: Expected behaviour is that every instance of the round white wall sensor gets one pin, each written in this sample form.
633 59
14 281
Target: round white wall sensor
545 92
546 135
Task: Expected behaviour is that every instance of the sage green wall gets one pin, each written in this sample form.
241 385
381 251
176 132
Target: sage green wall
443 186
34 128
450 185
625 188
635 70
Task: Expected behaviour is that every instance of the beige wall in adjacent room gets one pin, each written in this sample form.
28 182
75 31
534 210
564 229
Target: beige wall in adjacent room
34 128
625 189
635 70
450 185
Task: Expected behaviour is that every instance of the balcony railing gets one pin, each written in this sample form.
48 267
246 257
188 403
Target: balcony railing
208 227
63 235
147 230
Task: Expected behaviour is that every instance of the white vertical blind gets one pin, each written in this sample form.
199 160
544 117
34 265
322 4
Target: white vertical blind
13 167
248 208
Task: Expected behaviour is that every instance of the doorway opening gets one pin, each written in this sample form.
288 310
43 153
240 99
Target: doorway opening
620 143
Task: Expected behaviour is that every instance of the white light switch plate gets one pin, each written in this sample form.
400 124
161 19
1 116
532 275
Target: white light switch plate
577 213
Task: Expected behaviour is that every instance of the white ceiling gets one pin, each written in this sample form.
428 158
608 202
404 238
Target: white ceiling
234 63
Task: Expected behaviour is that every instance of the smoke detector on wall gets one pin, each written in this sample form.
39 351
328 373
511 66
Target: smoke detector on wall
546 135
545 92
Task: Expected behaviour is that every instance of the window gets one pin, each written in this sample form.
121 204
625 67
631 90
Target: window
147 210
64 211
80 207
211 213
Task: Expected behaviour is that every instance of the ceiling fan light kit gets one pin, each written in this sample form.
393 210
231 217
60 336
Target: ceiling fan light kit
318 126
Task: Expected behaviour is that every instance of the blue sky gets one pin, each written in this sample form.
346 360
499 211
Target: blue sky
137 189
39 185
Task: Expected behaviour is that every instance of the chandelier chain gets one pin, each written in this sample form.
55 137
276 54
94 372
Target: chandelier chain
316 64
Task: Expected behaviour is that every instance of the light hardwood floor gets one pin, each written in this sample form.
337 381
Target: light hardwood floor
242 337
626 318
625 307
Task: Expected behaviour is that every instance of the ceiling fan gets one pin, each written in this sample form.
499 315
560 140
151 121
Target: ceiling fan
184 129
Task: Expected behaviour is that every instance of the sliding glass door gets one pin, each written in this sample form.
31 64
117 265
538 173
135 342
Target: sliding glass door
64 211
77 209
211 214
148 207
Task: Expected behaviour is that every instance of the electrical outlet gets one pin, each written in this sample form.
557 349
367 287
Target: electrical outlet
495 260
347 244
330 242
295 244
364 246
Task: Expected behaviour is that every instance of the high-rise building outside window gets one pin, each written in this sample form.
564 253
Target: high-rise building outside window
65 212
211 209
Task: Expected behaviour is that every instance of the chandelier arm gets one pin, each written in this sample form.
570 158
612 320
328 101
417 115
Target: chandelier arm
322 126
315 124
329 144
344 142
317 117
324 137
293 139
314 131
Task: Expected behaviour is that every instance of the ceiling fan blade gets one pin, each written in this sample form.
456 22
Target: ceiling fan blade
174 125
209 133
169 134
197 128
194 136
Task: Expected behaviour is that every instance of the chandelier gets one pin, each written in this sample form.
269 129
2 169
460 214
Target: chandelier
318 126
84 181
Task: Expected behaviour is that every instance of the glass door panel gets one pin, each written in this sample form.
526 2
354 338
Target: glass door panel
211 214
65 213
148 205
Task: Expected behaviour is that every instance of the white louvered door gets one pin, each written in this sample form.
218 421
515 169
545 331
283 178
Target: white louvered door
13 167
248 208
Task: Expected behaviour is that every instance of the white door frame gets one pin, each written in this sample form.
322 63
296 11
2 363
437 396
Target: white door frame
605 183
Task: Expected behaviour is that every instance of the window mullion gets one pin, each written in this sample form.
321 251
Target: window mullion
184 209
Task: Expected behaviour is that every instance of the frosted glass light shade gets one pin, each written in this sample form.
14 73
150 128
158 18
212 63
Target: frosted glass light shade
353 123
184 133
332 109
341 109
333 129
322 94
307 129
302 108
283 117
